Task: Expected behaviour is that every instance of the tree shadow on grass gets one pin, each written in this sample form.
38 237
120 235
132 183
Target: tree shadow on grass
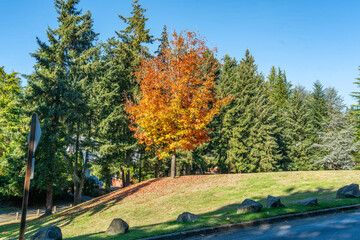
227 214
66 217
220 216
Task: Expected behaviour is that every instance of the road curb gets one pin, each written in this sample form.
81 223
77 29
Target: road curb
251 223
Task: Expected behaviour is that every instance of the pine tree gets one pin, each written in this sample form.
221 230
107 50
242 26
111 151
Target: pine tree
356 107
298 131
122 56
136 33
338 142
334 102
279 87
164 42
56 90
216 150
77 36
355 111
249 120
318 109
279 92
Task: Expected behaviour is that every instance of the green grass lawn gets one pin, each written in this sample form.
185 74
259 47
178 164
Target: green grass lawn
151 207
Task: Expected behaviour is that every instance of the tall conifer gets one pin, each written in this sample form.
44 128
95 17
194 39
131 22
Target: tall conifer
122 56
56 90
248 121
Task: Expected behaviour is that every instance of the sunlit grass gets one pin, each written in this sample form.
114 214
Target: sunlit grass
151 208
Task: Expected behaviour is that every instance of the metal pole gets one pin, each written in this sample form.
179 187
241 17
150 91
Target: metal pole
27 177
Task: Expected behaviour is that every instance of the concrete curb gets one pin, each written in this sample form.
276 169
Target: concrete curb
207 230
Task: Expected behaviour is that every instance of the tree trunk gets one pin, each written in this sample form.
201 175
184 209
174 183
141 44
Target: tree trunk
75 177
49 199
173 165
156 169
188 169
229 168
83 177
123 177
108 183
127 177
140 171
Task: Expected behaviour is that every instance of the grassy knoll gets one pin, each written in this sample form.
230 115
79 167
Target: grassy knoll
152 207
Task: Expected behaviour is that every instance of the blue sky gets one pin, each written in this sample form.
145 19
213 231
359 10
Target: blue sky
310 40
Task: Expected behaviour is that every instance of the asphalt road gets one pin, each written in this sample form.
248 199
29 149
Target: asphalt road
11 216
332 226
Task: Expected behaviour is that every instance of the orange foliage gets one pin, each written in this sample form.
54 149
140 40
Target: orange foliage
177 99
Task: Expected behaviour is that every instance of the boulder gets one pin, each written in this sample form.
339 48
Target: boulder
308 202
249 205
187 217
117 226
273 202
349 191
49 233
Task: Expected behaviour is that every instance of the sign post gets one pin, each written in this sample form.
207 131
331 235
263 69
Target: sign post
33 139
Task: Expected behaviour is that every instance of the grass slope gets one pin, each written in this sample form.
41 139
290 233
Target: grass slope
151 207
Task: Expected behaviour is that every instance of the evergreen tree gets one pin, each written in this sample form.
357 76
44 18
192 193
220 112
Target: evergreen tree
217 148
356 107
164 42
338 141
249 120
77 36
122 56
318 109
279 92
355 111
56 91
305 116
298 131
334 102
279 87
135 32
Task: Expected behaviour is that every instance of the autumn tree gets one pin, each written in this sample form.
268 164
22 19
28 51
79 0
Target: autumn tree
177 99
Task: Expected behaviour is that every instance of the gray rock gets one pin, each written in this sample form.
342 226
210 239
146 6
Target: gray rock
187 217
349 191
308 202
249 205
117 226
273 202
49 233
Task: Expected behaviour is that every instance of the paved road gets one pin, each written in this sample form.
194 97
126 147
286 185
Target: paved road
11 216
333 226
